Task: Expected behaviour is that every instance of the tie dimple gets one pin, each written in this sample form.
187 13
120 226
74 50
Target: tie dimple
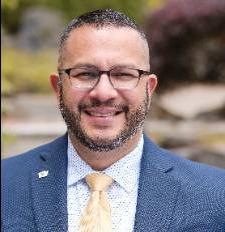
98 182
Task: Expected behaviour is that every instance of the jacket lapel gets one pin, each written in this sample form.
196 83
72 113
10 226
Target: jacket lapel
158 191
49 188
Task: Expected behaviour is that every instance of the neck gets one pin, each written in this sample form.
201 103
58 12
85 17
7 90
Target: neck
102 160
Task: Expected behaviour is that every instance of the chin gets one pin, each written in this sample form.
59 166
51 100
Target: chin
103 136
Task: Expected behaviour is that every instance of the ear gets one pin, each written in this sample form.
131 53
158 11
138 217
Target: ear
152 83
54 79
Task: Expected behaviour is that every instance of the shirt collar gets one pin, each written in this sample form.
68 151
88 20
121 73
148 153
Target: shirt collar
125 171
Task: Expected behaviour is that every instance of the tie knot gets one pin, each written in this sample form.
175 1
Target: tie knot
98 181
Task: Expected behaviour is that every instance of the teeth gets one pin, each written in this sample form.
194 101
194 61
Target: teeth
97 114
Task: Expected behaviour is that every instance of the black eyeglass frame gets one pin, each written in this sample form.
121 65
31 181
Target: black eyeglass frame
107 72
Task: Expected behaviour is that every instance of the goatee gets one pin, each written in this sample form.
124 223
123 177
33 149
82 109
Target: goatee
134 121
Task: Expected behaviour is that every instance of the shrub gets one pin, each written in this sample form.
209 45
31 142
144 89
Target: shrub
187 42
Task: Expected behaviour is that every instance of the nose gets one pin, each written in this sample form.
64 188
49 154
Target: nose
104 90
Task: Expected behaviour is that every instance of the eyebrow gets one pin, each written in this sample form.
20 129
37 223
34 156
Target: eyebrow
84 65
88 65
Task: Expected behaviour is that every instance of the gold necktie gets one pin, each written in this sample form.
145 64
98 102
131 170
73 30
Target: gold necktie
97 215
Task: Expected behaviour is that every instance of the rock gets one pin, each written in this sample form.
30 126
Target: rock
32 107
209 157
175 142
217 114
196 153
158 112
6 40
189 102
40 28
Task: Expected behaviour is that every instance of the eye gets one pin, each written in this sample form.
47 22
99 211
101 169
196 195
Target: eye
124 74
83 74
87 74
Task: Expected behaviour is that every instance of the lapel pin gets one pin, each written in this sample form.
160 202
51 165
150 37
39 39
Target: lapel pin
43 174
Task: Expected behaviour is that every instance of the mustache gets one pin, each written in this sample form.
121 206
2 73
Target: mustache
96 103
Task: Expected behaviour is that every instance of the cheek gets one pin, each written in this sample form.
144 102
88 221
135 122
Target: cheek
133 102
72 98
135 97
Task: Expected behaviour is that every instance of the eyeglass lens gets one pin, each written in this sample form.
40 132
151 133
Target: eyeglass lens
120 78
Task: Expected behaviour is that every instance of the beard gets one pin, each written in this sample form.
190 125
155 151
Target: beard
134 121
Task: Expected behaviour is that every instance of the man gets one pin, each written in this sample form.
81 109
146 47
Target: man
104 89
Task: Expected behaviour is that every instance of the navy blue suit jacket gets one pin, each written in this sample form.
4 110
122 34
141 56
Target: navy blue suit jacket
174 194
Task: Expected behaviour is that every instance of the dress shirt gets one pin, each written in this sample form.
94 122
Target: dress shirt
122 194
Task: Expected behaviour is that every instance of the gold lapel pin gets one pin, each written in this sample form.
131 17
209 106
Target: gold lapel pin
43 174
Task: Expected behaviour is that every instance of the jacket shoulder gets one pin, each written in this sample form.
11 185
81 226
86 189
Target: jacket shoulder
27 159
201 199
180 167
16 170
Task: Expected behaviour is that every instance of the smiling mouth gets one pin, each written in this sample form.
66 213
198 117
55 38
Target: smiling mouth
102 113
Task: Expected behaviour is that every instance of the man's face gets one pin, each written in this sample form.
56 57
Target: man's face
103 118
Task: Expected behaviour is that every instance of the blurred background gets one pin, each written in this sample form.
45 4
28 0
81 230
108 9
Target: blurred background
187 47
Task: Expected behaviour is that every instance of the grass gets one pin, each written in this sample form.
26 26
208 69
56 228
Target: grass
23 71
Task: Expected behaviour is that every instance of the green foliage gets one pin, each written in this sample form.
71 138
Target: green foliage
74 8
154 4
11 13
69 9
26 72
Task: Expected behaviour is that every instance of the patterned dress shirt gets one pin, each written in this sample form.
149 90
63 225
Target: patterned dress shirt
122 194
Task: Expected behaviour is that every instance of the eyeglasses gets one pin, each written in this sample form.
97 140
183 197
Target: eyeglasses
119 77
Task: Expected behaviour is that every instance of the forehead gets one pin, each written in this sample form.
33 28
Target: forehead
106 42
107 27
